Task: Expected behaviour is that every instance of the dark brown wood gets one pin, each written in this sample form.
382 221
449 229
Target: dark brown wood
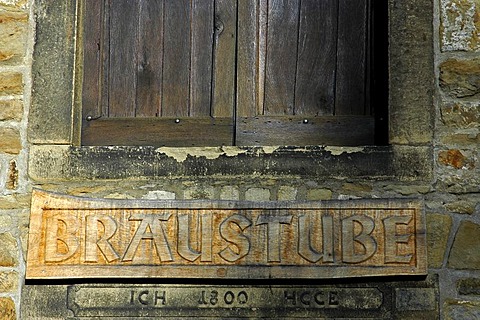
159 132
293 131
351 62
150 58
247 66
201 57
176 70
73 237
224 58
317 55
281 58
123 58
92 59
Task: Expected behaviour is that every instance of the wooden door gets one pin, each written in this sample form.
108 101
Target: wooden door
223 72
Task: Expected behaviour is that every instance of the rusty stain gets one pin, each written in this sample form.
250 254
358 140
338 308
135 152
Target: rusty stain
454 158
12 181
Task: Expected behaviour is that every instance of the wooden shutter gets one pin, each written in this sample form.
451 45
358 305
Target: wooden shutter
308 70
159 72
222 72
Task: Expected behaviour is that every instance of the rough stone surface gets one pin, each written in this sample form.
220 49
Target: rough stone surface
8 251
461 114
462 206
460 25
11 83
469 287
287 193
8 281
7 309
460 78
465 253
15 201
10 141
257 194
462 310
319 194
13 35
455 158
229 193
159 195
438 231
199 193
11 110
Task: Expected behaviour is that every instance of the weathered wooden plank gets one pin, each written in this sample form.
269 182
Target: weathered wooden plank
281 58
150 58
122 67
317 55
158 132
92 59
351 62
176 64
247 67
201 57
224 64
72 237
293 131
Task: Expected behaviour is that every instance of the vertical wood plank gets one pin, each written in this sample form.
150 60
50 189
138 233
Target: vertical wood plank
282 35
224 58
351 61
150 56
262 53
176 70
247 66
201 59
92 59
314 91
123 35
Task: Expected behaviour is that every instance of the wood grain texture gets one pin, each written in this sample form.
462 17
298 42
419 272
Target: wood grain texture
281 57
201 57
92 59
351 62
293 131
123 58
247 57
159 132
73 237
224 63
317 56
150 58
176 70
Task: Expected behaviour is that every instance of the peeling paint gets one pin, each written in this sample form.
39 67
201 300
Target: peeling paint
270 149
181 154
336 151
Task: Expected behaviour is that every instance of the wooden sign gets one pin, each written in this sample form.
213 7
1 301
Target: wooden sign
73 237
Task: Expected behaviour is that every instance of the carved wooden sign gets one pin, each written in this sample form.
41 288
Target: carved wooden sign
73 237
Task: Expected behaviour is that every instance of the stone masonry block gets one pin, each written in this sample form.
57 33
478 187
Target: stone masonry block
460 26
7 309
286 193
460 78
11 110
11 83
438 230
465 253
229 193
10 141
8 251
13 34
319 194
461 115
257 194
9 281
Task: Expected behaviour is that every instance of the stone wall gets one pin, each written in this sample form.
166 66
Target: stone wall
449 183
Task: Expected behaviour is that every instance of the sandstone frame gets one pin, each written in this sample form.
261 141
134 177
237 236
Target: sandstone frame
55 118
